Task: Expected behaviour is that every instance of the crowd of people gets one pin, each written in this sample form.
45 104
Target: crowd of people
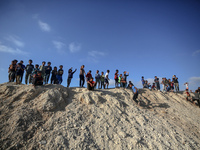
168 84
40 75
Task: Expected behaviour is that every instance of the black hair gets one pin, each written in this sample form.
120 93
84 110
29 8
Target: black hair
49 63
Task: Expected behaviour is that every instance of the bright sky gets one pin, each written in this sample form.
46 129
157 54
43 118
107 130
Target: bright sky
145 38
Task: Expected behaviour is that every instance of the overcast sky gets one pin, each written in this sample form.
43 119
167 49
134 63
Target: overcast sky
144 37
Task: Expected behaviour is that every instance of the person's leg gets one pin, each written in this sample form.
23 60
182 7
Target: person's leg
68 81
30 78
21 77
26 78
83 81
48 75
61 79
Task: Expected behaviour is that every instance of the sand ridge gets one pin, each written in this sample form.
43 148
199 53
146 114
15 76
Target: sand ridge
56 117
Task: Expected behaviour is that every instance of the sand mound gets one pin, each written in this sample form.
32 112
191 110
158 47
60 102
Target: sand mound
55 117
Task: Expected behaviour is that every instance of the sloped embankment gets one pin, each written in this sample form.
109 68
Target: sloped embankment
55 117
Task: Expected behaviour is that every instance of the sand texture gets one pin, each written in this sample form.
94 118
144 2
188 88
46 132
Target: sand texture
55 117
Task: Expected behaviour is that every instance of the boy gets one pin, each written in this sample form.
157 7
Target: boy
37 79
81 76
89 75
153 87
146 84
186 85
119 80
19 72
107 73
35 70
125 77
97 78
196 97
123 83
12 71
48 69
106 81
53 75
91 84
102 80
187 94
129 85
29 69
42 69
116 78
143 81
135 91
176 84
23 68
59 75
156 80
70 76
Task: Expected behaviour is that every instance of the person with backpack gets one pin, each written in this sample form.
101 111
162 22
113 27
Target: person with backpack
48 69
29 69
116 78
70 76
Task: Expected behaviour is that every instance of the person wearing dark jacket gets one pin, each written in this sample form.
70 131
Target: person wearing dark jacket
29 69
70 76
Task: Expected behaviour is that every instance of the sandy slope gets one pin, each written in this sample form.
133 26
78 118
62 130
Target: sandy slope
54 117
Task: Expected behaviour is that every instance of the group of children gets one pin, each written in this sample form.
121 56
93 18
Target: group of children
36 75
168 84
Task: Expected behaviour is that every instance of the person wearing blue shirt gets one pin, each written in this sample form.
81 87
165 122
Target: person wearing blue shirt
143 81
135 91
97 78
23 68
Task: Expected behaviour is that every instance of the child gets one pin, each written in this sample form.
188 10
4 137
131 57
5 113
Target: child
81 76
48 69
37 79
70 76
97 78
196 97
135 91
156 80
172 86
143 81
116 78
42 69
107 73
106 81
12 71
90 84
187 94
19 72
146 84
123 83
23 68
89 75
102 80
119 80
59 75
53 75
35 70
125 77
129 85
186 85
29 69
153 87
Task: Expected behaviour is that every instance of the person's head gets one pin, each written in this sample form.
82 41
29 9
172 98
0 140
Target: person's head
19 64
129 82
30 61
120 75
199 88
91 79
83 66
15 61
196 91
90 71
49 63
153 83
43 63
55 68
36 66
131 85
61 66
21 61
146 81
169 79
117 71
124 72
142 77
156 77
108 71
102 72
186 90
39 73
97 71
